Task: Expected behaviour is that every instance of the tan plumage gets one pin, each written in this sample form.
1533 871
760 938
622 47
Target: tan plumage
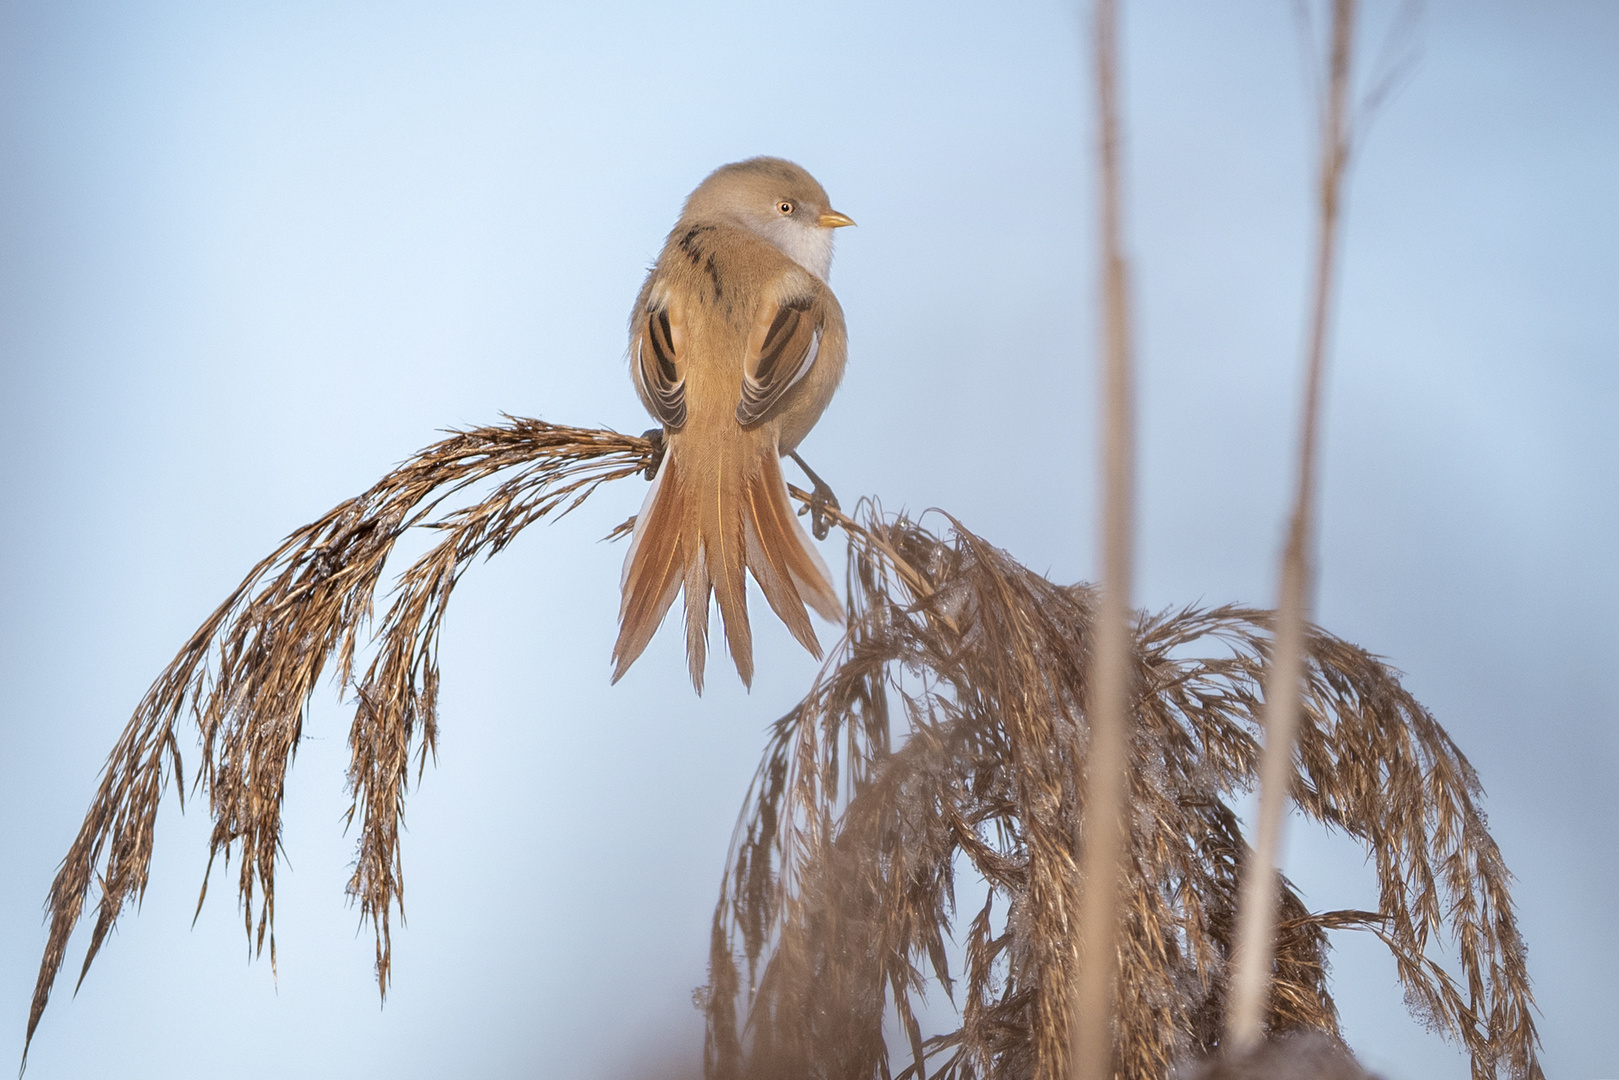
736 346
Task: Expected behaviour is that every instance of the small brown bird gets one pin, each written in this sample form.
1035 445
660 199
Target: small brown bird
736 346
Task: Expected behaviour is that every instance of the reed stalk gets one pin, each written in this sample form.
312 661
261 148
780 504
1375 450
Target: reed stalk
1107 762
1256 931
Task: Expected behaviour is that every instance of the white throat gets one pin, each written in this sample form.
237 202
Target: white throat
810 246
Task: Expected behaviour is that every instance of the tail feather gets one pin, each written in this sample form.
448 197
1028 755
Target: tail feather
697 590
654 570
788 570
704 534
776 581
729 573
793 548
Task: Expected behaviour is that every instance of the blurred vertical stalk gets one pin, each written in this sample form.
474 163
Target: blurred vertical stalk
1107 771
1255 947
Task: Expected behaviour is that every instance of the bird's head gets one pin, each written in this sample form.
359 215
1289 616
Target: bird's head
776 200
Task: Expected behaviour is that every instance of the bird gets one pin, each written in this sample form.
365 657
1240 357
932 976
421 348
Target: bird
737 344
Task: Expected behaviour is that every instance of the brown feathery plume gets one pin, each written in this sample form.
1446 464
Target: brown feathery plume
1106 758
840 881
1298 1056
247 674
948 731
1256 929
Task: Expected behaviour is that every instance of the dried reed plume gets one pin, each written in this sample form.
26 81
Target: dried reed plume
246 676
838 901
841 881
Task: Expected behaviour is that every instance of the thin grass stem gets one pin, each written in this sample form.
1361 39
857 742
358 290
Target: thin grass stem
1108 709
1255 947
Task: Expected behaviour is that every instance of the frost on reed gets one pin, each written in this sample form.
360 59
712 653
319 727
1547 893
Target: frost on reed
947 733
246 676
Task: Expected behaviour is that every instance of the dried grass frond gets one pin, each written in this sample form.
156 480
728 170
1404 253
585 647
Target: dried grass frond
839 894
1300 1056
246 676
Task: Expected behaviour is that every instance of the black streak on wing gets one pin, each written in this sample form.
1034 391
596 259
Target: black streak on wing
688 242
788 350
658 373
714 276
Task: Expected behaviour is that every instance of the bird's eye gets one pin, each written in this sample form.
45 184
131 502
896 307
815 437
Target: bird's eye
785 207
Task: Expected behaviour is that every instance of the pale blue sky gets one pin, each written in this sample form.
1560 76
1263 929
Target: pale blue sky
253 255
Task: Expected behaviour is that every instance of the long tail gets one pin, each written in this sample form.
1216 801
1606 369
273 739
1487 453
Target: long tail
704 533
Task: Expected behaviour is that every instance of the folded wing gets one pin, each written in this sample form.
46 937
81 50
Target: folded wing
781 350
657 368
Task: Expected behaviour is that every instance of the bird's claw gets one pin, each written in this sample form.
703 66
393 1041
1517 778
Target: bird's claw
821 501
659 448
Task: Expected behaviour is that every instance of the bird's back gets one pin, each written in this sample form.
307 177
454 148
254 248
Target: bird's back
719 507
716 277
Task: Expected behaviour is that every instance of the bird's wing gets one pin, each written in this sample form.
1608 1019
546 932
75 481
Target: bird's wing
657 367
781 350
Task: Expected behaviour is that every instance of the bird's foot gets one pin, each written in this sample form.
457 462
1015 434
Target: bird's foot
820 501
659 447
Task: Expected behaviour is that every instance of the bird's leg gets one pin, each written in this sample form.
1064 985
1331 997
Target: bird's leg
821 499
659 448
